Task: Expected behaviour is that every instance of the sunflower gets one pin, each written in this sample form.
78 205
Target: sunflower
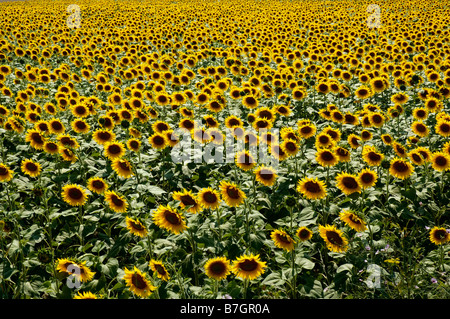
442 127
80 126
160 126
348 183
250 102
122 167
290 147
439 235
304 233
67 154
262 124
67 141
136 227
97 185
231 194
378 84
209 198
433 105
440 161
342 154
78 269
333 238
217 268
326 158
312 188
352 220
420 129
420 113
80 111
282 239
424 152
187 200
159 269
114 150
158 141
363 92
323 140
35 138
245 161
387 139
102 136
354 141
265 175
138 283
401 168
367 178
399 98
6 174
74 195
248 267
169 219
85 295
116 202
30 167
307 130
134 144
415 157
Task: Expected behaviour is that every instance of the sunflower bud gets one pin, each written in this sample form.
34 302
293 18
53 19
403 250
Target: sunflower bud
385 164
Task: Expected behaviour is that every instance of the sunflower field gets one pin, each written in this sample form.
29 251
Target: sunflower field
216 149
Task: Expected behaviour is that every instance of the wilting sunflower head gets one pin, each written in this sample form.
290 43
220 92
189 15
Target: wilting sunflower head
282 239
352 220
218 268
333 238
248 267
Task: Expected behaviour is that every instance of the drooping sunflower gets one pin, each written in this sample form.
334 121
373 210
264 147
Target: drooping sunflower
169 219
304 233
74 195
282 239
159 269
248 267
348 183
6 174
367 178
439 235
116 202
312 188
209 198
401 168
122 167
266 175
352 220
440 161
187 201
97 185
136 227
231 194
30 167
138 283
333 238
218 268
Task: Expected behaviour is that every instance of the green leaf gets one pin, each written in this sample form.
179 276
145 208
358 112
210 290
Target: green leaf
304 263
